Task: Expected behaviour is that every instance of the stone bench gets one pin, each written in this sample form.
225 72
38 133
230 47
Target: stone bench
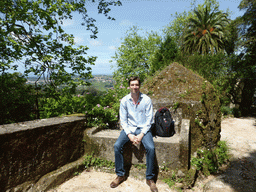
172 152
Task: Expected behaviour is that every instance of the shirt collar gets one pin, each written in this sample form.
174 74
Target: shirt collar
130 96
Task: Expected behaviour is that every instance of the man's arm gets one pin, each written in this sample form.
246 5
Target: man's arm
124 122
149 117
149 121
123 112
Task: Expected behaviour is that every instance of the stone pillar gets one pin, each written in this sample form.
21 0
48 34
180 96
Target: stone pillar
185 143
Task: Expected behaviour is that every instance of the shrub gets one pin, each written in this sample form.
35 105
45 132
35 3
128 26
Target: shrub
91 161
102 116
66 105
225 110
209 161
101 110
105 112
17 99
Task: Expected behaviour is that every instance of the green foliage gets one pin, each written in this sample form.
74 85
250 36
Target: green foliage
17 99
164 55
209 161
249 25
176 105
176 28
206 31
66 105
134 56
76 173
91 161
197 121
115 94
233 41
248 66
31 33
140 166
169 182
230 75
164 167
102 116
101 110
219 70
225 110
211 67
105 113
172 180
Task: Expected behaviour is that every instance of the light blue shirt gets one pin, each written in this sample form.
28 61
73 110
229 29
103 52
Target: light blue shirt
139 115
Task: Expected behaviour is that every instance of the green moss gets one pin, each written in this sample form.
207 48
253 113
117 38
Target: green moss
140 166
183 89
190 178
92 161
75 114
90 147
181 80
176 105
209 161
150 93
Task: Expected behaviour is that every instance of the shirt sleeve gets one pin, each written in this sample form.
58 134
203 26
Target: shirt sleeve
149 117
123 112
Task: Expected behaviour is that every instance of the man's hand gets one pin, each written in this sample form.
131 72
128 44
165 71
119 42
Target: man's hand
132 138
139 138
136 139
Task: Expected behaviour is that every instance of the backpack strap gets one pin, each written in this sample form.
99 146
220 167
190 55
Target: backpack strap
162 108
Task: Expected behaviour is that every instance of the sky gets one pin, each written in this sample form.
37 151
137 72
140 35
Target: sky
149 15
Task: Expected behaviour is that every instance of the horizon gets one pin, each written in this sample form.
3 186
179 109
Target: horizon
148 15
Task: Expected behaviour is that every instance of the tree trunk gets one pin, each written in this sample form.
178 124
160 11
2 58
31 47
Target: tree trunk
247 96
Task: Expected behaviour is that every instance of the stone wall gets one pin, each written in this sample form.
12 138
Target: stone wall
38 155
30 150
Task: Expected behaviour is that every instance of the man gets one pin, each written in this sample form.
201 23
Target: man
136 117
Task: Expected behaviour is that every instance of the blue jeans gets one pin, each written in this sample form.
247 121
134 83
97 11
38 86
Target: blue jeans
148 143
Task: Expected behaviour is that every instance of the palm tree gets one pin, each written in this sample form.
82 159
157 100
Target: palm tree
206 31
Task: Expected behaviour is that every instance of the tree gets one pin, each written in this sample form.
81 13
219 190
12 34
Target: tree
176 28
135 55
206 32
233 40
164 55
17 99
249 25
31 34
179 26
247 65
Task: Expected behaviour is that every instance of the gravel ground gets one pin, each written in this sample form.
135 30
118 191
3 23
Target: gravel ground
240 176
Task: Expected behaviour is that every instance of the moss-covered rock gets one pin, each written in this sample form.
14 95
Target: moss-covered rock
180 89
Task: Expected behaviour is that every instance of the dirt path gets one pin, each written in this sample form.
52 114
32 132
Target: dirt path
240 175
240 134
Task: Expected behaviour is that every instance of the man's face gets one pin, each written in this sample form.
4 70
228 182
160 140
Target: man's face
135 86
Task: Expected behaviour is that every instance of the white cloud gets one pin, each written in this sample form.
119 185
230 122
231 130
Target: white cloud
112 47
116 40
102 66
95 43
125 23
78 40
102 61
67 22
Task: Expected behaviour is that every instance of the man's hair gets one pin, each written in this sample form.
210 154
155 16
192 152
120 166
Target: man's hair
133 79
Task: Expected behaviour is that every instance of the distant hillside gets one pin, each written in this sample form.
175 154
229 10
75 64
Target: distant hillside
99 82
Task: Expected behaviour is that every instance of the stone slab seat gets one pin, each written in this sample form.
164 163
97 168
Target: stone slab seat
167 149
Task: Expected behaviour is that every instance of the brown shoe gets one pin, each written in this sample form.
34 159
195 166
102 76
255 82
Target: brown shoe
117 181
152 185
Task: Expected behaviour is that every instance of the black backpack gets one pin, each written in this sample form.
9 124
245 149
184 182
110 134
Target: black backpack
164 124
